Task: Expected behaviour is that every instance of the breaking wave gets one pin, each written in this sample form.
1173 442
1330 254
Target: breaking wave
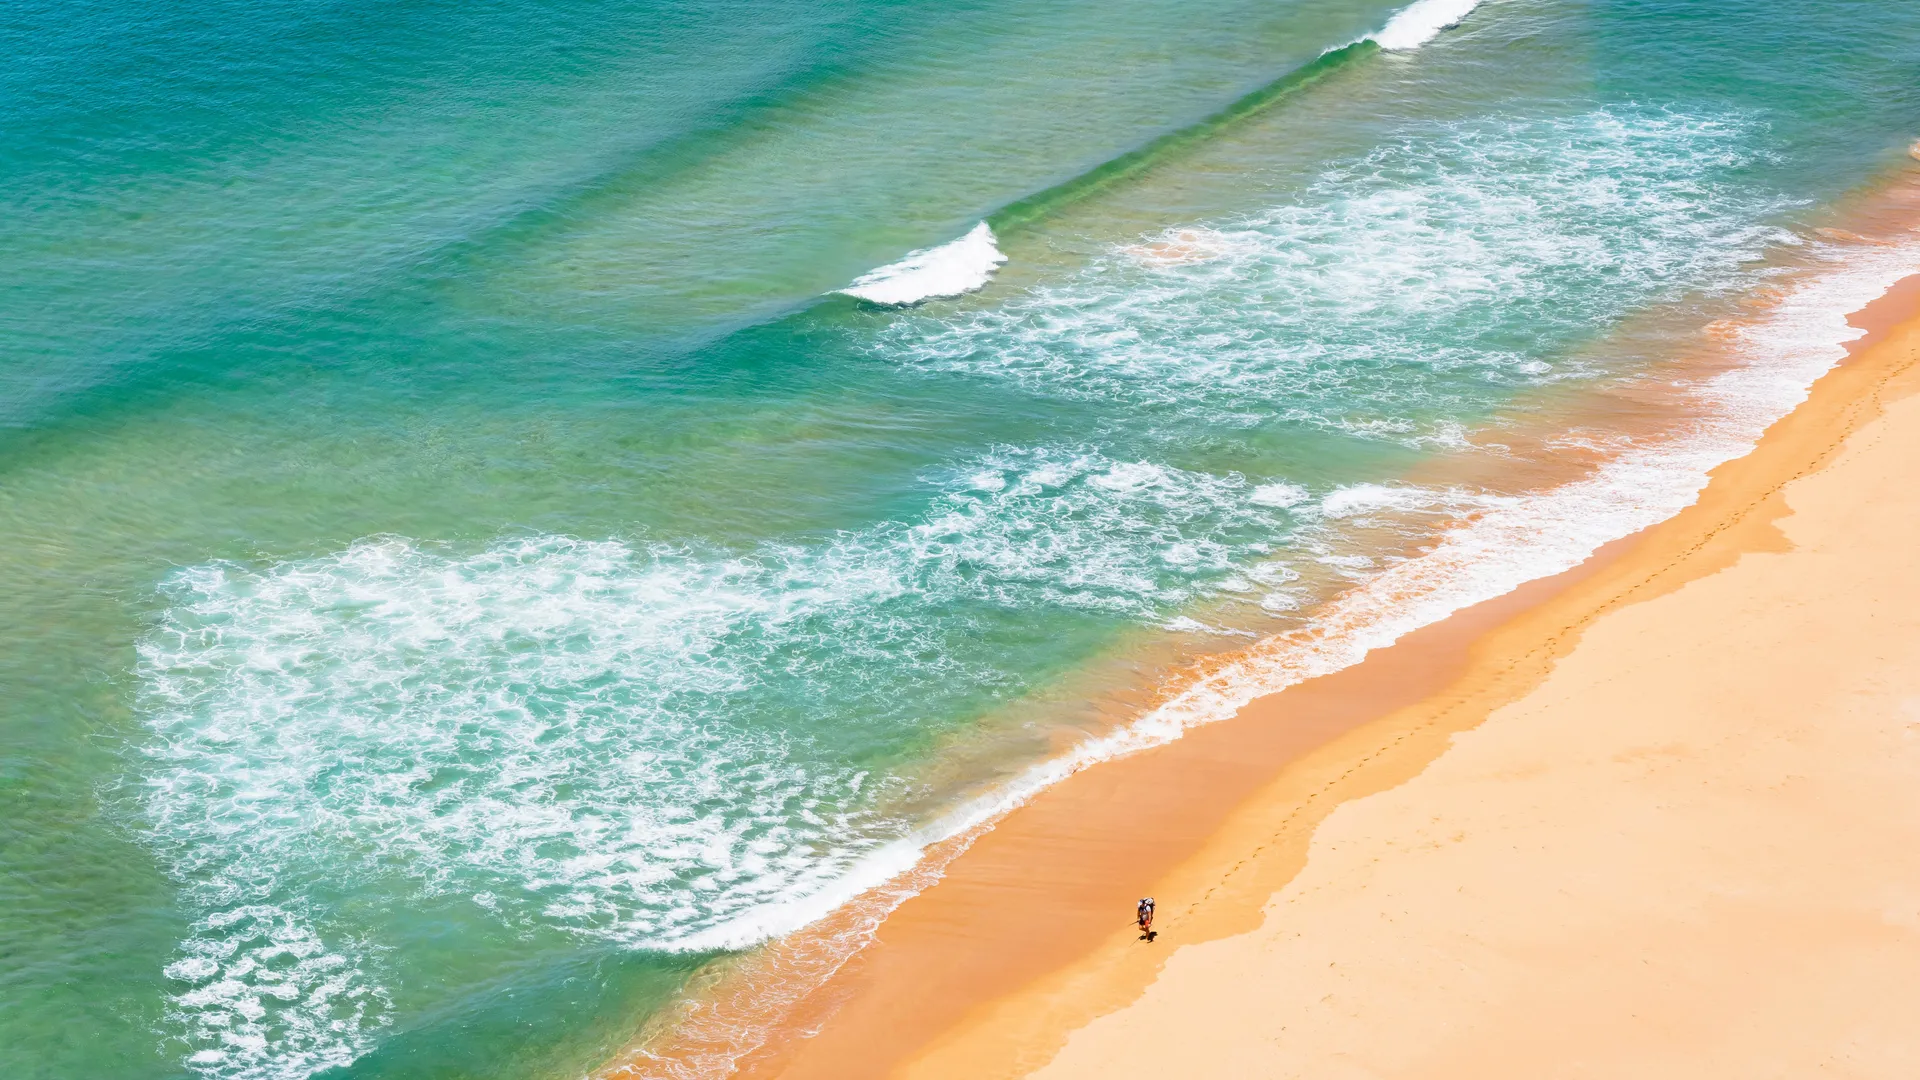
1421 22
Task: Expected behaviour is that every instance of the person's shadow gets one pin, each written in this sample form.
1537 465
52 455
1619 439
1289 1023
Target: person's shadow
1149 936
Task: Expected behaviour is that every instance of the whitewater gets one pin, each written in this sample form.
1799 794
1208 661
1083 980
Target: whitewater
952 269
1421 22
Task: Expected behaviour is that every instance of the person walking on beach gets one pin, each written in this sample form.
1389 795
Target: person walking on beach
1144 916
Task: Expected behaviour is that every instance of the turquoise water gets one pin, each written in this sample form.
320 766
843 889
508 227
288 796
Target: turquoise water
466 569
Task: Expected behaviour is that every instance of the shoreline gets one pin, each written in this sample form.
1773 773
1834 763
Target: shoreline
1007 1010
1020 901
1040 884
1668 836
1041 853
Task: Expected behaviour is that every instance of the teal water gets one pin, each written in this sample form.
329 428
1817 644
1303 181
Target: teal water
465 569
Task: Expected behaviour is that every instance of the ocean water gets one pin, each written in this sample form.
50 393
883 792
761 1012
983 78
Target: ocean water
506 504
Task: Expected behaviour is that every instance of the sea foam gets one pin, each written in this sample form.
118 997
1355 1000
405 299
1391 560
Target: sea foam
639 745
952 269
1421 22
1385 298
1519 538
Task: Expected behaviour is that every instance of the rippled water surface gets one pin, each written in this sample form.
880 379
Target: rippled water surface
468 565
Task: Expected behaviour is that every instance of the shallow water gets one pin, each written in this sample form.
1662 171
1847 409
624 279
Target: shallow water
467 566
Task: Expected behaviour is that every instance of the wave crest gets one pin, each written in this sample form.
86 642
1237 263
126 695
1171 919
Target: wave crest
952 269
1421 22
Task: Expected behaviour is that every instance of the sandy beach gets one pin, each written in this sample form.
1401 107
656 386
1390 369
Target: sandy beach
1650 818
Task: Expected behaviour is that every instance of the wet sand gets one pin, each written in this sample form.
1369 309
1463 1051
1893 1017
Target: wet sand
1346 889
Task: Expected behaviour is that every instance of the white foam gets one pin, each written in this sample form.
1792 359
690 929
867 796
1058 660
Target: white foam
952 269
1421 22
1524 538
630 744
1357 499
1279 494
261 997
1386 301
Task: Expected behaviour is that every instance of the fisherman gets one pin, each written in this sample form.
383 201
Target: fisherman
1144 915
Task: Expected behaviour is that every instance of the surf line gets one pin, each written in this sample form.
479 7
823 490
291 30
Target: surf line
967 264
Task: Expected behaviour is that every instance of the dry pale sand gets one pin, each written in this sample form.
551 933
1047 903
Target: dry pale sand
1692 849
